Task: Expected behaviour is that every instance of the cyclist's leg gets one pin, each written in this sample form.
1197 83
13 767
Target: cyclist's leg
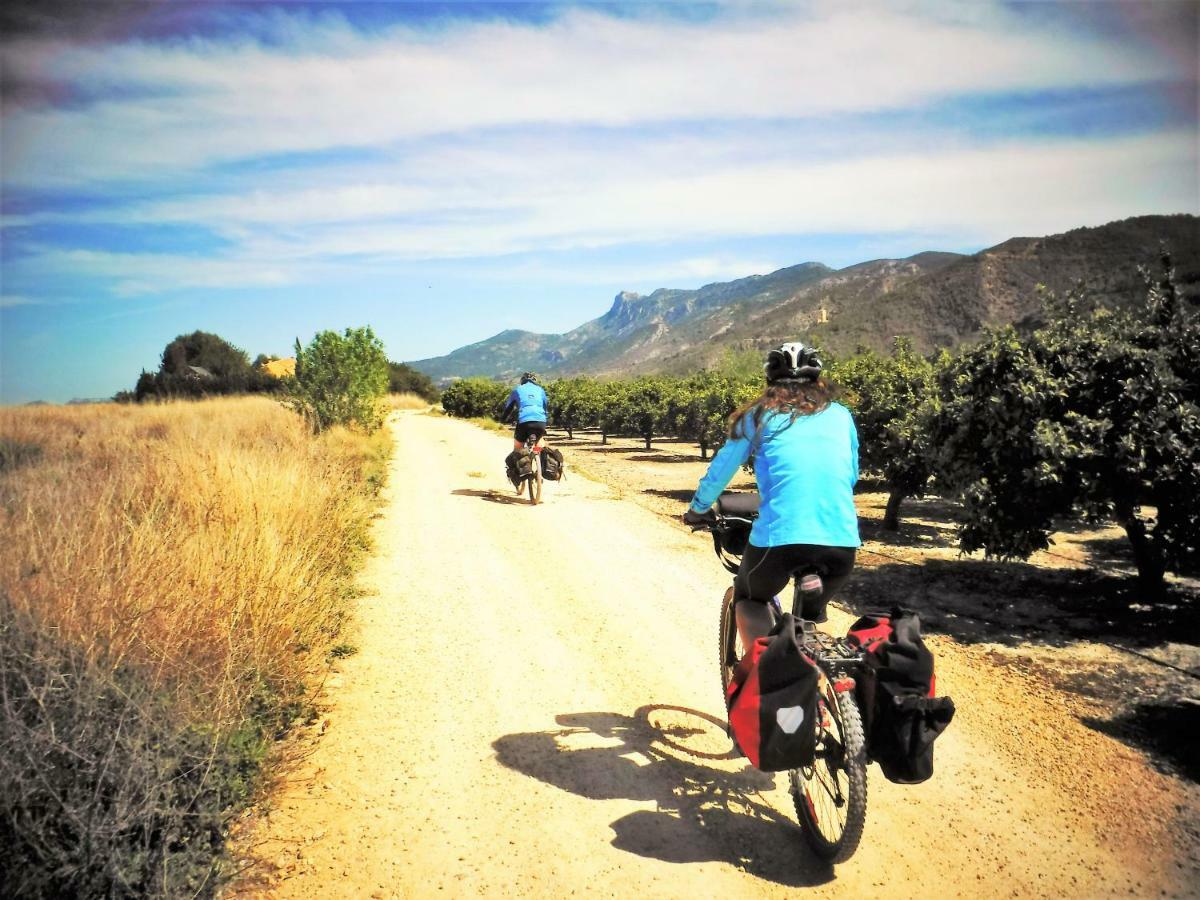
835 565
764 572
519 434
539 429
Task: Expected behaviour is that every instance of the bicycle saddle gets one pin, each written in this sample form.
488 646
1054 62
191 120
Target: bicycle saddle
743 505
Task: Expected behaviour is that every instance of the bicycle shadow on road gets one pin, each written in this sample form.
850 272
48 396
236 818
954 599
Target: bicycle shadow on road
704 813
491 496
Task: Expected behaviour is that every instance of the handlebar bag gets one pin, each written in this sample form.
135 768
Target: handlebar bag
896 692
772 701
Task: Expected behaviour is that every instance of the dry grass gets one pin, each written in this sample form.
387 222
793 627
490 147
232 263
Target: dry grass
187 562
406 401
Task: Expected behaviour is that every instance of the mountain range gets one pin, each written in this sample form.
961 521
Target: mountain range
936 299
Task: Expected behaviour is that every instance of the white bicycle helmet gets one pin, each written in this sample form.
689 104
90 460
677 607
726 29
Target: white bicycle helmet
792 362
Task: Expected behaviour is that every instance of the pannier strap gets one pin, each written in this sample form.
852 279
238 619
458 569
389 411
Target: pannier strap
924 704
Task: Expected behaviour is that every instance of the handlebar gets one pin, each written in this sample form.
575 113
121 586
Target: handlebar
719 526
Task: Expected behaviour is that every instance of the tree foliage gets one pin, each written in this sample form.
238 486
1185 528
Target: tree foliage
202 364
1096 413
340 379
475 397
892 398
404 379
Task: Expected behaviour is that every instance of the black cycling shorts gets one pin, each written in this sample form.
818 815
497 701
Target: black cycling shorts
526 430
765 571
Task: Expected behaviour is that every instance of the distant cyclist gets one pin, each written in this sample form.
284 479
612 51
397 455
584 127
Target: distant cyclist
529 400
805 450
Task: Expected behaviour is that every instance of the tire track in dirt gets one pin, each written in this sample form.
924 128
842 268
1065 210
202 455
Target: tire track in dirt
534 709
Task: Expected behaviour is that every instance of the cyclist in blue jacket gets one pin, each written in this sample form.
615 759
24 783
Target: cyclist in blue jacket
805 450
529 400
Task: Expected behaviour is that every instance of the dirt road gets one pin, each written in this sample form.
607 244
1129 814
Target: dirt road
535 710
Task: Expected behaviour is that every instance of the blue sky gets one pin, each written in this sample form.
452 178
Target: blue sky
443 171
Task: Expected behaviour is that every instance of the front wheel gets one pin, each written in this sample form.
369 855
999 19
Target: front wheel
729 645
831 794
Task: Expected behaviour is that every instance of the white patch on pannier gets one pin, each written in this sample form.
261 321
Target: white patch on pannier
789 718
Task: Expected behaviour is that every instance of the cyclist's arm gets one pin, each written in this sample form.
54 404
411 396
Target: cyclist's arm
720 472
513 400
546 404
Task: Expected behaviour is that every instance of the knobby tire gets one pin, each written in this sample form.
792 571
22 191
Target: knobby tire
833 833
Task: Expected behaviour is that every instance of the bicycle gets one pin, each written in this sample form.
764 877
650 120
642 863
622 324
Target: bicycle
532 481
830 794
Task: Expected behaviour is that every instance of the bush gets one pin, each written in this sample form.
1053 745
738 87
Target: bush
340 379
404 379
471 398
226 371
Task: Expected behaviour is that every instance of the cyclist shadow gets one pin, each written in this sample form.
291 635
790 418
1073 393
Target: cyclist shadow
704 813
491 496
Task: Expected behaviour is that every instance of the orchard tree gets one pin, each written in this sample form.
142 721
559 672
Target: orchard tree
470 398
1099 413
572 403
340 379
644 404
893 399
702 405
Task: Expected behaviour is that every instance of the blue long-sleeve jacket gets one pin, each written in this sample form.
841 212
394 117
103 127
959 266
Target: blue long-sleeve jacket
530 401
806 472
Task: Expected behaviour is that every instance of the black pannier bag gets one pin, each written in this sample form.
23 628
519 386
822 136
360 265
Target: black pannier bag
517 465
896 691
772 701
552 464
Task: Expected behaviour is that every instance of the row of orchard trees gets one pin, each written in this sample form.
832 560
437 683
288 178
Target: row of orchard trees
1095 414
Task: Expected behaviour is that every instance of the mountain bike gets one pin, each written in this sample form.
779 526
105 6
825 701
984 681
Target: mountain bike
830 794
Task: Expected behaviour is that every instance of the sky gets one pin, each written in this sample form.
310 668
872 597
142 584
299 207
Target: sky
445 171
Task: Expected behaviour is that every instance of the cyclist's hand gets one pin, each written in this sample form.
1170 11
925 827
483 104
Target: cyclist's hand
697 520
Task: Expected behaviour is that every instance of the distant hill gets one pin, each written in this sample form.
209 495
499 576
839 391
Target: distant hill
937 299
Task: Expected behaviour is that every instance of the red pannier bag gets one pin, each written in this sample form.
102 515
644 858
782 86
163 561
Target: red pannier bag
772 701
896 693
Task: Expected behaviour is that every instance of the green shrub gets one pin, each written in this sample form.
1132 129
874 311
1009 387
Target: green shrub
474 397
340 379
404 379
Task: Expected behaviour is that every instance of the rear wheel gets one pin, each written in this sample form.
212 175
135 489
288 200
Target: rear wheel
831 794
535 482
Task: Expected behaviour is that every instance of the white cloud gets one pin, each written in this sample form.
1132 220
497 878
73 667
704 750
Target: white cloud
8 301
171 108
982 194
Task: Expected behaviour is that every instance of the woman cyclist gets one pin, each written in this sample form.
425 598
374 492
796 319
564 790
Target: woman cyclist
529 400
805 450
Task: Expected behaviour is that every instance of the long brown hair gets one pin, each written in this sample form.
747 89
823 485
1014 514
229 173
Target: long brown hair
793 398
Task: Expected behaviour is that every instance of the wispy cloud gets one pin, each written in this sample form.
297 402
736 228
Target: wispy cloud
145 109
8 301
316 143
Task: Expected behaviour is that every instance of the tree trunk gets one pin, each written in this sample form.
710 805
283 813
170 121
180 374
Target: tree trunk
570 433
891 516
704 450
1148 556
603 437
647 436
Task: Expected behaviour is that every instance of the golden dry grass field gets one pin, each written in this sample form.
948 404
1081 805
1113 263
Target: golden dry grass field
173 581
